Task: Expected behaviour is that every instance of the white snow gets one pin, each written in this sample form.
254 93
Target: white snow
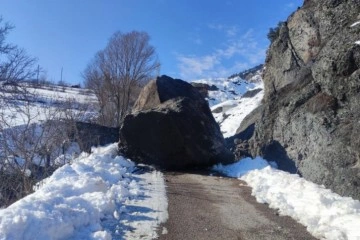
24 114
357 42
354 24
228 105
234 111
241 167
46 103
149 211
96 197
228 89
326 215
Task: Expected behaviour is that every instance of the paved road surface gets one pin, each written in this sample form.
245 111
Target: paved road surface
212 207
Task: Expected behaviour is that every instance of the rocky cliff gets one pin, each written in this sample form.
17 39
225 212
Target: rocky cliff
310 118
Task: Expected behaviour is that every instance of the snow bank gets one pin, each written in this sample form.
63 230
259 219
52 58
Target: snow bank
326 215
79 200
241 167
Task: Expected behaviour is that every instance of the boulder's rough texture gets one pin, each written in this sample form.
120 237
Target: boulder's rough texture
310 119
172 127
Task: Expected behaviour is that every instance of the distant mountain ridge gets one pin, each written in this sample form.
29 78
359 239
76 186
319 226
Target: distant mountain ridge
232 99
218 90
248 74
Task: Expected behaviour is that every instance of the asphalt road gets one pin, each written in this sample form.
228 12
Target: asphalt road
213 207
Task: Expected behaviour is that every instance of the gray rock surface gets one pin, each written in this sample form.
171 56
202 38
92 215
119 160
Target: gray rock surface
172 128
309 122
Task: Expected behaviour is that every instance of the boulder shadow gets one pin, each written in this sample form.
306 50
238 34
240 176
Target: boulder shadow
276 152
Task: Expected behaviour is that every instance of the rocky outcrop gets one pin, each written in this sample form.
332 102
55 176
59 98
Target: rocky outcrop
172 127
309 121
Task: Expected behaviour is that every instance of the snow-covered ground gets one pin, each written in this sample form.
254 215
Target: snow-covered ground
325 214
43 103
228 105
30 126
233 112
353 25
228 89
95 197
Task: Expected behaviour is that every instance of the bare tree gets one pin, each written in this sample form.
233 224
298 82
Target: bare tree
35 131
117 72
35 138
15 64
4 30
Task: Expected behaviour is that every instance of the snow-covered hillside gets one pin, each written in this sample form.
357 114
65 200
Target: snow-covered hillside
30 119
29 104
234 99
36 124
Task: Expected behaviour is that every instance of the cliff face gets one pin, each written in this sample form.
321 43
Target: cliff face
310 119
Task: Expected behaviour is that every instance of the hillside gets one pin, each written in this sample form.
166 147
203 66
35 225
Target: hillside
37 135
232 99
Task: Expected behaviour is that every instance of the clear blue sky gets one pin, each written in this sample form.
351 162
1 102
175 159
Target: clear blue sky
193 38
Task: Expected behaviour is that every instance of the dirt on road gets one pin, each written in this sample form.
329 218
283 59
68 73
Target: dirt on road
215 207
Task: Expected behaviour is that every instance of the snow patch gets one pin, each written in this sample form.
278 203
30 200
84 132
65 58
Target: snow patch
228 89
241 167
147 211
354 24
234 112
357 42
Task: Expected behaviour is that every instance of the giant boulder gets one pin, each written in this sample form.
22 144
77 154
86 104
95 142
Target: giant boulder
172 127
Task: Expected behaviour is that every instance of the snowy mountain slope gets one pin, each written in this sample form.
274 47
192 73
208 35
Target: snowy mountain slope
96 197
35 104
228 89
230 103
229 114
